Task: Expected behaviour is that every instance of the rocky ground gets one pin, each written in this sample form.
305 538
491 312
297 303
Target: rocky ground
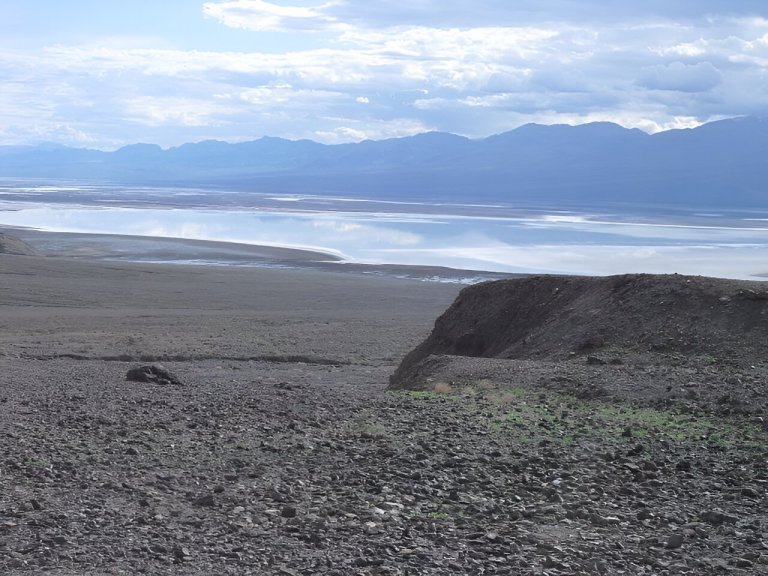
280 450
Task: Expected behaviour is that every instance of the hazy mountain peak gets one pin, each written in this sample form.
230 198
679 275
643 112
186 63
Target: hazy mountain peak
721 163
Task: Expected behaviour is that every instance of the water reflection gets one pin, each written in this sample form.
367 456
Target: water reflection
554 243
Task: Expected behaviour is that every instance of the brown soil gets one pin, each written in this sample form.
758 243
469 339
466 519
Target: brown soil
268 443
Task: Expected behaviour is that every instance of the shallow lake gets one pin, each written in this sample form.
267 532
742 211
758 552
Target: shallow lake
501 238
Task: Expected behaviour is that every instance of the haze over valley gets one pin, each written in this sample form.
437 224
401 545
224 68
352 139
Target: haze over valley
717 165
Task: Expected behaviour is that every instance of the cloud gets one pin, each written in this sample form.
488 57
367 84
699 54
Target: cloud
343 71
699 77
378 14
259 15
289 98
159 111
460 44
356 130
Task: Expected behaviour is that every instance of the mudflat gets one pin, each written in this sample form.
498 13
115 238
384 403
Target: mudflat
277 448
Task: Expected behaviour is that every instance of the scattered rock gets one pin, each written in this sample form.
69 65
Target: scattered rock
675 541
717 517
153 373
181 554
232 474
205 501
288 512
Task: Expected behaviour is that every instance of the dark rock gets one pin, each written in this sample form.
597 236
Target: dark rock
644 514
675 541
716 518
153 373
205 501
288 512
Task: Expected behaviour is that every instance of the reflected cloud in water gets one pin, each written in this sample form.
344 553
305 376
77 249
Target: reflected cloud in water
543 242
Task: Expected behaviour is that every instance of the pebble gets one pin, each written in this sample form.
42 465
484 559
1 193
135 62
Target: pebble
675 541
205 501
288 512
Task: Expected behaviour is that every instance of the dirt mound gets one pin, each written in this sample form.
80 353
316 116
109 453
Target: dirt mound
12 245
562 317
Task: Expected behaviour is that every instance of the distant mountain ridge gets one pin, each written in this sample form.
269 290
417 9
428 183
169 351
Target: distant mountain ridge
721 163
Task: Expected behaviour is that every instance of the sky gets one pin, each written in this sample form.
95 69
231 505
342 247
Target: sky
107 73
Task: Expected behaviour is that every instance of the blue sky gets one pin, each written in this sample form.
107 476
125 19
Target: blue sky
105 73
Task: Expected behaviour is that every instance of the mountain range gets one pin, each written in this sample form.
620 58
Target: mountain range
719 164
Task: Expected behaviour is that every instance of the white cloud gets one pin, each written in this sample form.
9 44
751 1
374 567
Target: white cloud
259 15
340 71
343 130
693 49
287 97
460 44
159 111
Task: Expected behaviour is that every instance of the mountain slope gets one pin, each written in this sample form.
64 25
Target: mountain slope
717 164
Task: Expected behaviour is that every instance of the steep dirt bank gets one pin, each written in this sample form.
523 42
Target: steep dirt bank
667 338
553 317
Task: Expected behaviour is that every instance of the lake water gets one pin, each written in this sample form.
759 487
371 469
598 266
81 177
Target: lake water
501 238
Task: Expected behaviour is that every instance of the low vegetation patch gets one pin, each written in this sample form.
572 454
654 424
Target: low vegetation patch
564 418
553 417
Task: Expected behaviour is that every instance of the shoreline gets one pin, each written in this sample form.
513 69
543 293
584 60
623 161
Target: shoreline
162 250
156 250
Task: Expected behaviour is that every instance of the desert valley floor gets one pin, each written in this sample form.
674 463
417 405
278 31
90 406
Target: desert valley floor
282 449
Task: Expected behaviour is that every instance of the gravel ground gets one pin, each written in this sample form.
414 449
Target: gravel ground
281 451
